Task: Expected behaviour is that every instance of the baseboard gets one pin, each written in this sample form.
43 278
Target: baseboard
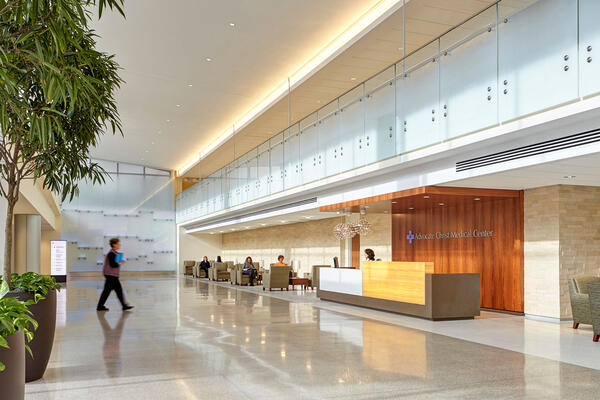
547 319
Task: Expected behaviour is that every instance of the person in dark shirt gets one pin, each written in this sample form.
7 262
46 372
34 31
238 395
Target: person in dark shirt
218 259
205 265
111 272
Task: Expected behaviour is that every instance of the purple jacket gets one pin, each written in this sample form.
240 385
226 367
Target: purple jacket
111 267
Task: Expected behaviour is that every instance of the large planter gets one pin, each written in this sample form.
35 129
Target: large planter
12 379
44 312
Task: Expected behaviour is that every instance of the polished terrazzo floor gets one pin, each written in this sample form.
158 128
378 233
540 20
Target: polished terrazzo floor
190 339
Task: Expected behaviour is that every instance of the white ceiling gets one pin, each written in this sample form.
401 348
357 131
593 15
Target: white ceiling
163 49
584 170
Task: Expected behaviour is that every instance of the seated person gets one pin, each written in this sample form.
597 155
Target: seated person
280 262
205 265
249 269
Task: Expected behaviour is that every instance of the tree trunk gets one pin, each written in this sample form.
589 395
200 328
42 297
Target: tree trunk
8 241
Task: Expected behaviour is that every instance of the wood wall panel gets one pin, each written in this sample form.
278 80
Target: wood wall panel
499 258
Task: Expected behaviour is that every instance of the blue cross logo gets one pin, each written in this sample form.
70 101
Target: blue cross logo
410 237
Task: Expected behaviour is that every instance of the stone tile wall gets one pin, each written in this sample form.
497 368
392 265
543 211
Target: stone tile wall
562 239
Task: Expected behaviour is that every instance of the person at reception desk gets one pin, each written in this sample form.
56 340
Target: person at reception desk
249 269
369 255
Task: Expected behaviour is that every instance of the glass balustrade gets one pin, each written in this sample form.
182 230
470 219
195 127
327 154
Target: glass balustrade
516 58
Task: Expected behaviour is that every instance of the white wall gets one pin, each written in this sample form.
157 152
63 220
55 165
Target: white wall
194 246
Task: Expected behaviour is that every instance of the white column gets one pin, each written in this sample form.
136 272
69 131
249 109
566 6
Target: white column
34 243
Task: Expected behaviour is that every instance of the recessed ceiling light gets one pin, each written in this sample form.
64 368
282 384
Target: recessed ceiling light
208 59
411 208
394 202
353 79
220 231
308 217
441 204
168 120
232 24
232 229
212 233
177 105
190 85
400 48
263 224
247 227
569 176
146 151
283 222
425 197
477 199
152 142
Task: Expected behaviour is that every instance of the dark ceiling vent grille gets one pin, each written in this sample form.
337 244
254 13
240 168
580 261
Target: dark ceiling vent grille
578 139
256 213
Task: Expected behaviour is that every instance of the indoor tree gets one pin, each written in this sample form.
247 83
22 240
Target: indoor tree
57 97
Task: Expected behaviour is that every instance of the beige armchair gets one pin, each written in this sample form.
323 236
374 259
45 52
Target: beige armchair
199 272
580 303
218 272
242 279
277 278
233 273
314 276
188 266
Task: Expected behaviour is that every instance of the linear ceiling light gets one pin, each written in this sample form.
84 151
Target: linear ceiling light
349 36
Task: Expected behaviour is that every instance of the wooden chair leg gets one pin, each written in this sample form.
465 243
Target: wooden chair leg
575 325
596 337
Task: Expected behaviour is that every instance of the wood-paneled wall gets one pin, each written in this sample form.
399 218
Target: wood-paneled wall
498 258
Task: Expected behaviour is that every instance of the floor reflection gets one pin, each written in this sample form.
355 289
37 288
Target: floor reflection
111 349
193 339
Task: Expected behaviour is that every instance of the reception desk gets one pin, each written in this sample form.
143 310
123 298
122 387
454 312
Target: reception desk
410 288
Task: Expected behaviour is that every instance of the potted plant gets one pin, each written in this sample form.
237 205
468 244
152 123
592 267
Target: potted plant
16 324
40 292
57 99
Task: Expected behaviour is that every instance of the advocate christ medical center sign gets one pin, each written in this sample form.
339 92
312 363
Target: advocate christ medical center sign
473 233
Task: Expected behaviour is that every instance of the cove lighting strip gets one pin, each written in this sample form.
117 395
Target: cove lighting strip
368 21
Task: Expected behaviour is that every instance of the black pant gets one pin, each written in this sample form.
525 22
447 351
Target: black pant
111 283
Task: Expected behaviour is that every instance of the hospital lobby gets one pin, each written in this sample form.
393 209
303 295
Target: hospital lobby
340 199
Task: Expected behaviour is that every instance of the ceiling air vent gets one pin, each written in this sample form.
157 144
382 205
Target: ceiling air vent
578 139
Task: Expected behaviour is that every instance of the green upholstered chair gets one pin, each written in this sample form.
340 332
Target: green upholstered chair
594 298
199 272
218 272
580 303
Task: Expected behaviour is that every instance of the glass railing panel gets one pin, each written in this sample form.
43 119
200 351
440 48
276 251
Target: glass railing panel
263 166
311 163
352 128
330 138
276 164
537 57
379 140
291 147
252 184
417 100
589 46
469 76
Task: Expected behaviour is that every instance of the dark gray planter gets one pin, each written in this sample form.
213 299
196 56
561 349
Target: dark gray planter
12 379
44 312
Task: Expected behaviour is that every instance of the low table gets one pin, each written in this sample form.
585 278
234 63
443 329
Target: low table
303 282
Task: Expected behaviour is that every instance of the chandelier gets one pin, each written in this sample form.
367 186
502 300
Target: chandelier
347 230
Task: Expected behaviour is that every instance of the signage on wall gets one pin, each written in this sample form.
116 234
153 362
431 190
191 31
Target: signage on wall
473 233
58 258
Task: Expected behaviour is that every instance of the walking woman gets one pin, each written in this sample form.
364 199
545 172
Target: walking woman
112 267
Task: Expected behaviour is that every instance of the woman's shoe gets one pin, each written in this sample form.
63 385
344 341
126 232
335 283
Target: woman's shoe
101 308
126 308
